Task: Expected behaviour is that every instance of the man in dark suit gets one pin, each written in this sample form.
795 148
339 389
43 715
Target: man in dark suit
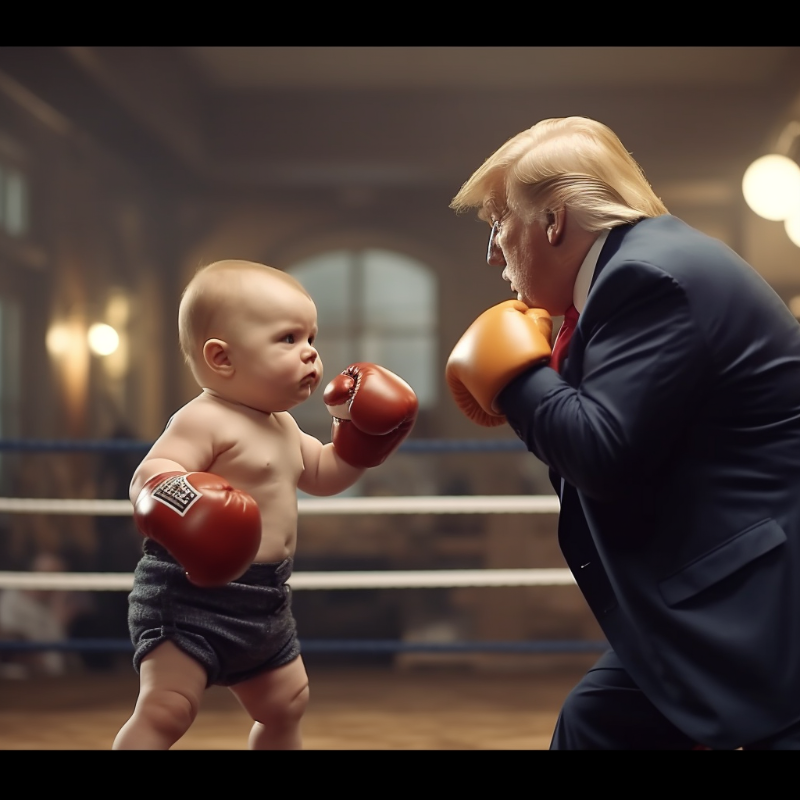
672 431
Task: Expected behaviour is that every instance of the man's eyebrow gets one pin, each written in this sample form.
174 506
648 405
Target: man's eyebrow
486 211
493 205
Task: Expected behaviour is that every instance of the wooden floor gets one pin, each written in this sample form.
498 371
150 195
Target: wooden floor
422 707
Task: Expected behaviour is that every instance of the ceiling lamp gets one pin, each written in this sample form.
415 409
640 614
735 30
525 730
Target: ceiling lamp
103 339
792 225
771 187
771 184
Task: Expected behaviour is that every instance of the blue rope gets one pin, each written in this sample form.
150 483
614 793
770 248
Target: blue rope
388 646
77 446
339 646
132 445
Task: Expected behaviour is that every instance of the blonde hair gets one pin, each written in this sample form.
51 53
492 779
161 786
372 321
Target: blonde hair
214 291
567 162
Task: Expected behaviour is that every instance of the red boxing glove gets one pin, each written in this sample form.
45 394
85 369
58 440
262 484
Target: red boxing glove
211 529
373 411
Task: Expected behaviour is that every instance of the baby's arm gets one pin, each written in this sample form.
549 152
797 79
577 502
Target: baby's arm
186 445
324 473
211 528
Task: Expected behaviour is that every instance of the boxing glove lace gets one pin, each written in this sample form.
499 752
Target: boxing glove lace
373 411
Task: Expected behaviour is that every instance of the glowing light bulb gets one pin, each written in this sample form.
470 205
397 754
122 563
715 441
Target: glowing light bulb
58 340
792 225
103 339
771 187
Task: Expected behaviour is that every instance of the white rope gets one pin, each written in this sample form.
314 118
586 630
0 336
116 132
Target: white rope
35 505
116 581
486 504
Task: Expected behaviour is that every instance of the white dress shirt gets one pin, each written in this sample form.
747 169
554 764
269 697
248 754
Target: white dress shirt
585 274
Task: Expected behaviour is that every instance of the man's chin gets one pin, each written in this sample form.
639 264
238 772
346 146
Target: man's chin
522 299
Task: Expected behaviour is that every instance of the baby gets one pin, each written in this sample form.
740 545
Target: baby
216 499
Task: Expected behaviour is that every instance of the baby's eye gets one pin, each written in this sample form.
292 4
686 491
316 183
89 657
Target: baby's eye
288 338
312 339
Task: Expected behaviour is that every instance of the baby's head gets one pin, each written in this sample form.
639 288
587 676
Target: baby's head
246 331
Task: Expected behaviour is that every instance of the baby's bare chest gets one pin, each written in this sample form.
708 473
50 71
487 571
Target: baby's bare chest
251 454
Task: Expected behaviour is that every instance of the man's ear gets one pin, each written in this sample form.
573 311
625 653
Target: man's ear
555 225
215 354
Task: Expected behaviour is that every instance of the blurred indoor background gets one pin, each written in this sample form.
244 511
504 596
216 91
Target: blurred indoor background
123 169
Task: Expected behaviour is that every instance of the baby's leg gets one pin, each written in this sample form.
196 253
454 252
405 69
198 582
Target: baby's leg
171 685
276 700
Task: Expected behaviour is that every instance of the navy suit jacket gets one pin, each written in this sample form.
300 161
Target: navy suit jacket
675 425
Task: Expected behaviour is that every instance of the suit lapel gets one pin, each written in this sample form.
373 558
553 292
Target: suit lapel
615 238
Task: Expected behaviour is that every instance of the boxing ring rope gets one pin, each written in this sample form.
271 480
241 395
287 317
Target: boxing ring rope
456 504
305 580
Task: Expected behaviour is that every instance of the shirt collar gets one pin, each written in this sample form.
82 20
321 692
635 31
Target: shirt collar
586 272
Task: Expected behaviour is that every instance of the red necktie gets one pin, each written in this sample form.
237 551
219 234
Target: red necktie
562 340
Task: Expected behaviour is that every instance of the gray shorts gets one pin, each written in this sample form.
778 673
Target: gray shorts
234 631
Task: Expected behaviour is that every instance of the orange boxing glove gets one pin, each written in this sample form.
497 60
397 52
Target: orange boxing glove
373 411
211 529
502 343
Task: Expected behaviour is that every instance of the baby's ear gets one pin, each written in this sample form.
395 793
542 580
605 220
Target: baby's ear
215 354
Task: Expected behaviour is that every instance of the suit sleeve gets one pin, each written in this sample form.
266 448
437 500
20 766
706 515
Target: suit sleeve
642 365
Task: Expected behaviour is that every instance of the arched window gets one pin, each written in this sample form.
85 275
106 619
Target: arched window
14 224
10 351
373 305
